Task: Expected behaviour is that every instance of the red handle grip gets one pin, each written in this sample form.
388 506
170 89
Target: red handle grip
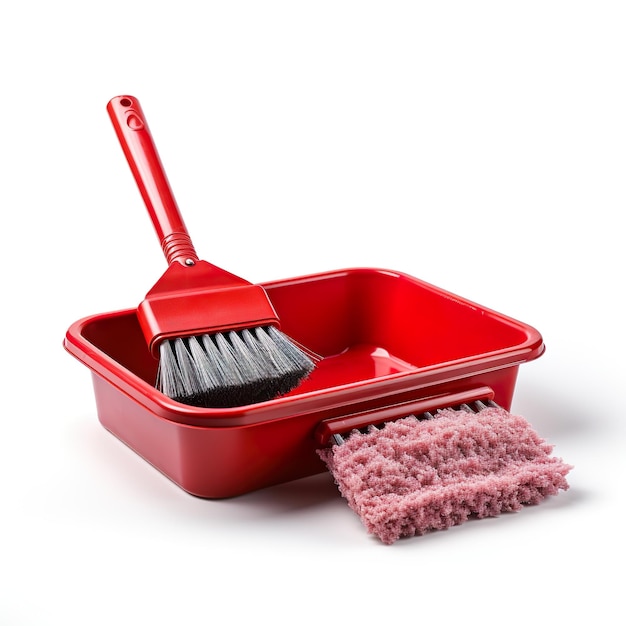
343 425
142 156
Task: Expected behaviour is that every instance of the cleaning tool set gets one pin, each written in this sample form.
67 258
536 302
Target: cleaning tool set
215 334
392 351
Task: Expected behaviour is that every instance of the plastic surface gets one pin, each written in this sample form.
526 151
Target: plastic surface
201 299
134 135
388 341
193 297
342 425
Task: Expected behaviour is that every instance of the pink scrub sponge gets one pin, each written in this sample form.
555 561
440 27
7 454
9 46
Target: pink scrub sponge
412 476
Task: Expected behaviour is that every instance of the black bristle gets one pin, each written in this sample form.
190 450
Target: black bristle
231 369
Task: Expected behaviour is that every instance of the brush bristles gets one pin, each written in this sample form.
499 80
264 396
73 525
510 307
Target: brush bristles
231 369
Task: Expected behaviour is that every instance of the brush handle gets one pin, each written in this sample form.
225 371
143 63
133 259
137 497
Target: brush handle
136 140
344 425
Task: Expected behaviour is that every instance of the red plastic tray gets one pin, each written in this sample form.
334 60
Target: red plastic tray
392 345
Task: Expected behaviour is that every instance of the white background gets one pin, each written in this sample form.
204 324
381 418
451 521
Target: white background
480 146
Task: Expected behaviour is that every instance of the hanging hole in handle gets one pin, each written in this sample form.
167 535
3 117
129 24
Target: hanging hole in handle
126 102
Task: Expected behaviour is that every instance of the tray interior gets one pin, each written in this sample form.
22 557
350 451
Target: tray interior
366 324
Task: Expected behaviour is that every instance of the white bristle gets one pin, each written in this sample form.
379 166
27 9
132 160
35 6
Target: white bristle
186 368
168 376
231 369
228 362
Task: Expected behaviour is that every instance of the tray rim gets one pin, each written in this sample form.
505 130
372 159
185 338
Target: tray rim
381 389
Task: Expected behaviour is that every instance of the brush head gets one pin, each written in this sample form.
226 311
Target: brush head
230 369
217 340
413 476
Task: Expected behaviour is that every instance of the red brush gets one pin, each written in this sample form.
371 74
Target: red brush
215 334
